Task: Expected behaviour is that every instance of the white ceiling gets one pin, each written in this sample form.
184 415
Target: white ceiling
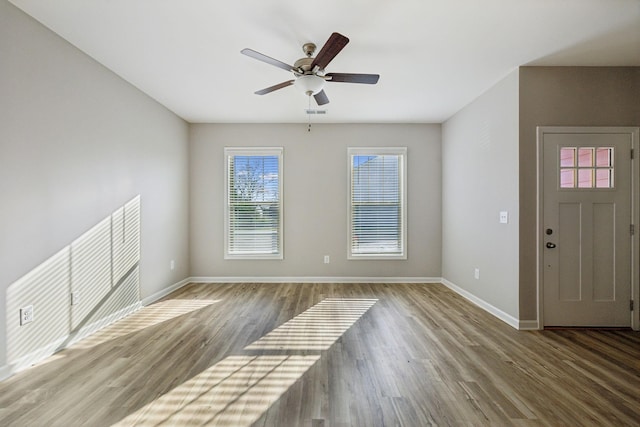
433 56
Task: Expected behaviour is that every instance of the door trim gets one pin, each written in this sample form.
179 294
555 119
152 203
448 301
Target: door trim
634 132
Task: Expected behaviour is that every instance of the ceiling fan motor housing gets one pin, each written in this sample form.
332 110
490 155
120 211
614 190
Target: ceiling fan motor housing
304 65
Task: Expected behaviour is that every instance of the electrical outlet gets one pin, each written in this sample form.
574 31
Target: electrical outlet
172 264
476 273
327 259
504 217
26 315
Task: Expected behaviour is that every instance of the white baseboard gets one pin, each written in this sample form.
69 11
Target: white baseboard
309 279
505 317
166 291
34 357
87 330
5 372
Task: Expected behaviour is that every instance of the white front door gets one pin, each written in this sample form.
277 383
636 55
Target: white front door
586 225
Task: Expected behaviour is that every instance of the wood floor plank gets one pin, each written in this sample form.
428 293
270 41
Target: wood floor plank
420 355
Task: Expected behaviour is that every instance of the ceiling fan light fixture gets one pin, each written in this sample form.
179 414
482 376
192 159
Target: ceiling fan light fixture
309 84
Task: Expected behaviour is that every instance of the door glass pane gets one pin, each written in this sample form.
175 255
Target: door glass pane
603 178
567 157
604 157
585 157
567 178
585 178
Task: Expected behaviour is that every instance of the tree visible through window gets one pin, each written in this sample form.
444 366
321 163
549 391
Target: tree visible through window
253 223
377 214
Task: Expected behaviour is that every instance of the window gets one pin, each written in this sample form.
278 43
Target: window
586 167
377 203
253 205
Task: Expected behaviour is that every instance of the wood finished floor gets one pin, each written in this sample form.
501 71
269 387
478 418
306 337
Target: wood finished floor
421 355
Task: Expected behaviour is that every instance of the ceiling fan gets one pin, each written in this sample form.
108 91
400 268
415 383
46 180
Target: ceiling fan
309 71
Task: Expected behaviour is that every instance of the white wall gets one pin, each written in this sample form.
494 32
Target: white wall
76 144
480 179
315 199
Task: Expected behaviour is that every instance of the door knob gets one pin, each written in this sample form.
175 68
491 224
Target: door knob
551 245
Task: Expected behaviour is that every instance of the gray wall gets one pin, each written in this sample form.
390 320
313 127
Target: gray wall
480 179
315 199
564 96
76 144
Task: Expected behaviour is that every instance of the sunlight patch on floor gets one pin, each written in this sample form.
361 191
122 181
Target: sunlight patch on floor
234 392
144 318
317 328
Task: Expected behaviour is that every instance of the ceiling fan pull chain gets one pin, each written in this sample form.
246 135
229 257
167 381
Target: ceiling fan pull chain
309 115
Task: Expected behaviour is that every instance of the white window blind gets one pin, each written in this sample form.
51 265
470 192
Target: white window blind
253 208
377 213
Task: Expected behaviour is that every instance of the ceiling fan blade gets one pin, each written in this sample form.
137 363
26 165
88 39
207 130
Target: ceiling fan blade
369 79
331 48
274 87
321 98
264 58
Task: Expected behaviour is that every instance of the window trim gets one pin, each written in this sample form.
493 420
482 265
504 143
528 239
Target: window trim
377 151
254 151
